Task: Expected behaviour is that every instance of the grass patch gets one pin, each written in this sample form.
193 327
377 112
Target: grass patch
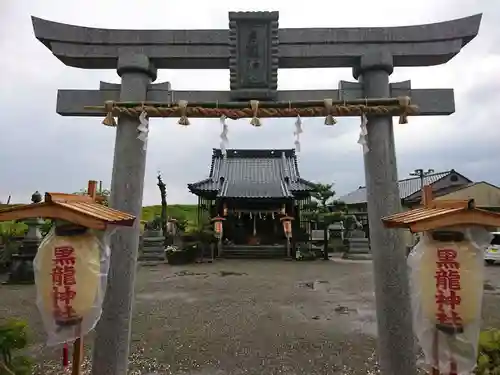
178 211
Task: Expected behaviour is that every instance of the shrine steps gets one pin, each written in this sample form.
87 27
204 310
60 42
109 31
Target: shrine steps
254 252
359 256
358 249
150 256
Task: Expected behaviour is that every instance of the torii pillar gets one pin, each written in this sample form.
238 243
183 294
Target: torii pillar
127 185
372 52
389 257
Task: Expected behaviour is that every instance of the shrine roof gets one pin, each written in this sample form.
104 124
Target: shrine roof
253 174
407 187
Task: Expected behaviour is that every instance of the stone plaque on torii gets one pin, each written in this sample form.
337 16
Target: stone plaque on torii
253 49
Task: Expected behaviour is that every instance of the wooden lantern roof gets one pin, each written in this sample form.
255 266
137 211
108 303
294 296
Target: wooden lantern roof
78 209
217 218
441 214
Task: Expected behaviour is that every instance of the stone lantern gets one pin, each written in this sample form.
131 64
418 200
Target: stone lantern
21 269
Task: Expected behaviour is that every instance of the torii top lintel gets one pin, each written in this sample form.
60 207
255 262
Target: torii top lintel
420 45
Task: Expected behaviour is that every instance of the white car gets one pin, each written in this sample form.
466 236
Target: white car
492 253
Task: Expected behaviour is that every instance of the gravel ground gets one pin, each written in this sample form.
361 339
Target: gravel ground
245 317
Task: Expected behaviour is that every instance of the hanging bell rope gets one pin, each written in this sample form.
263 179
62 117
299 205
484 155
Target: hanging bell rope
254 104
404 102
109 120
183 120
256 109
329 120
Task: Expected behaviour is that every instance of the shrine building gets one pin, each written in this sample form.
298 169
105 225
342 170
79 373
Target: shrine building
252 190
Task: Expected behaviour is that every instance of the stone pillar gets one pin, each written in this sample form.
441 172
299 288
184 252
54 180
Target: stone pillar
396 349
111 348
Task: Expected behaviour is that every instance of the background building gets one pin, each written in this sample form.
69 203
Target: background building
445 185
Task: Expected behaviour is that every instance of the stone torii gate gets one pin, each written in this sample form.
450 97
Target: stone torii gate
253 49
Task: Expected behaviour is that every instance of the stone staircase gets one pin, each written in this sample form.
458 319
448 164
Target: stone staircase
152 247
254 252
359 249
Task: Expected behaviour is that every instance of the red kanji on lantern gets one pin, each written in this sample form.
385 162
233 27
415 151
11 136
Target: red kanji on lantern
447 285
63 298
63 278
447 279
55 300
63 275
64 255
448 319
451 299
65 313
447 258
65 295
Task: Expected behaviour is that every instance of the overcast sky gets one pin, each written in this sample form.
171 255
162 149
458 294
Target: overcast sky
39 150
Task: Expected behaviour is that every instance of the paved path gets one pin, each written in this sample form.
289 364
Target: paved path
247 317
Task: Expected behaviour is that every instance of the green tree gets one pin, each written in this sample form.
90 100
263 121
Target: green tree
325 210
182 222
10 230
14 338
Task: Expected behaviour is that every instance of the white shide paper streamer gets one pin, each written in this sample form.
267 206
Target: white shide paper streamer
143 129
223 135
363 134
297 132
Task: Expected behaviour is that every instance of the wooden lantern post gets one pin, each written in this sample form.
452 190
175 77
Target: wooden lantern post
448 277
286 221
74 212
78 344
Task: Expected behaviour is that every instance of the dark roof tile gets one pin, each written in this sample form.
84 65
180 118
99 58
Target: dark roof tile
407 187
253 174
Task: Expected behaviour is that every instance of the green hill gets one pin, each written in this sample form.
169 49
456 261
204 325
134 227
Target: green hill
178 211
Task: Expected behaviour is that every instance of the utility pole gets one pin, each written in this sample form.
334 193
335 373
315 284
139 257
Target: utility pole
421 173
